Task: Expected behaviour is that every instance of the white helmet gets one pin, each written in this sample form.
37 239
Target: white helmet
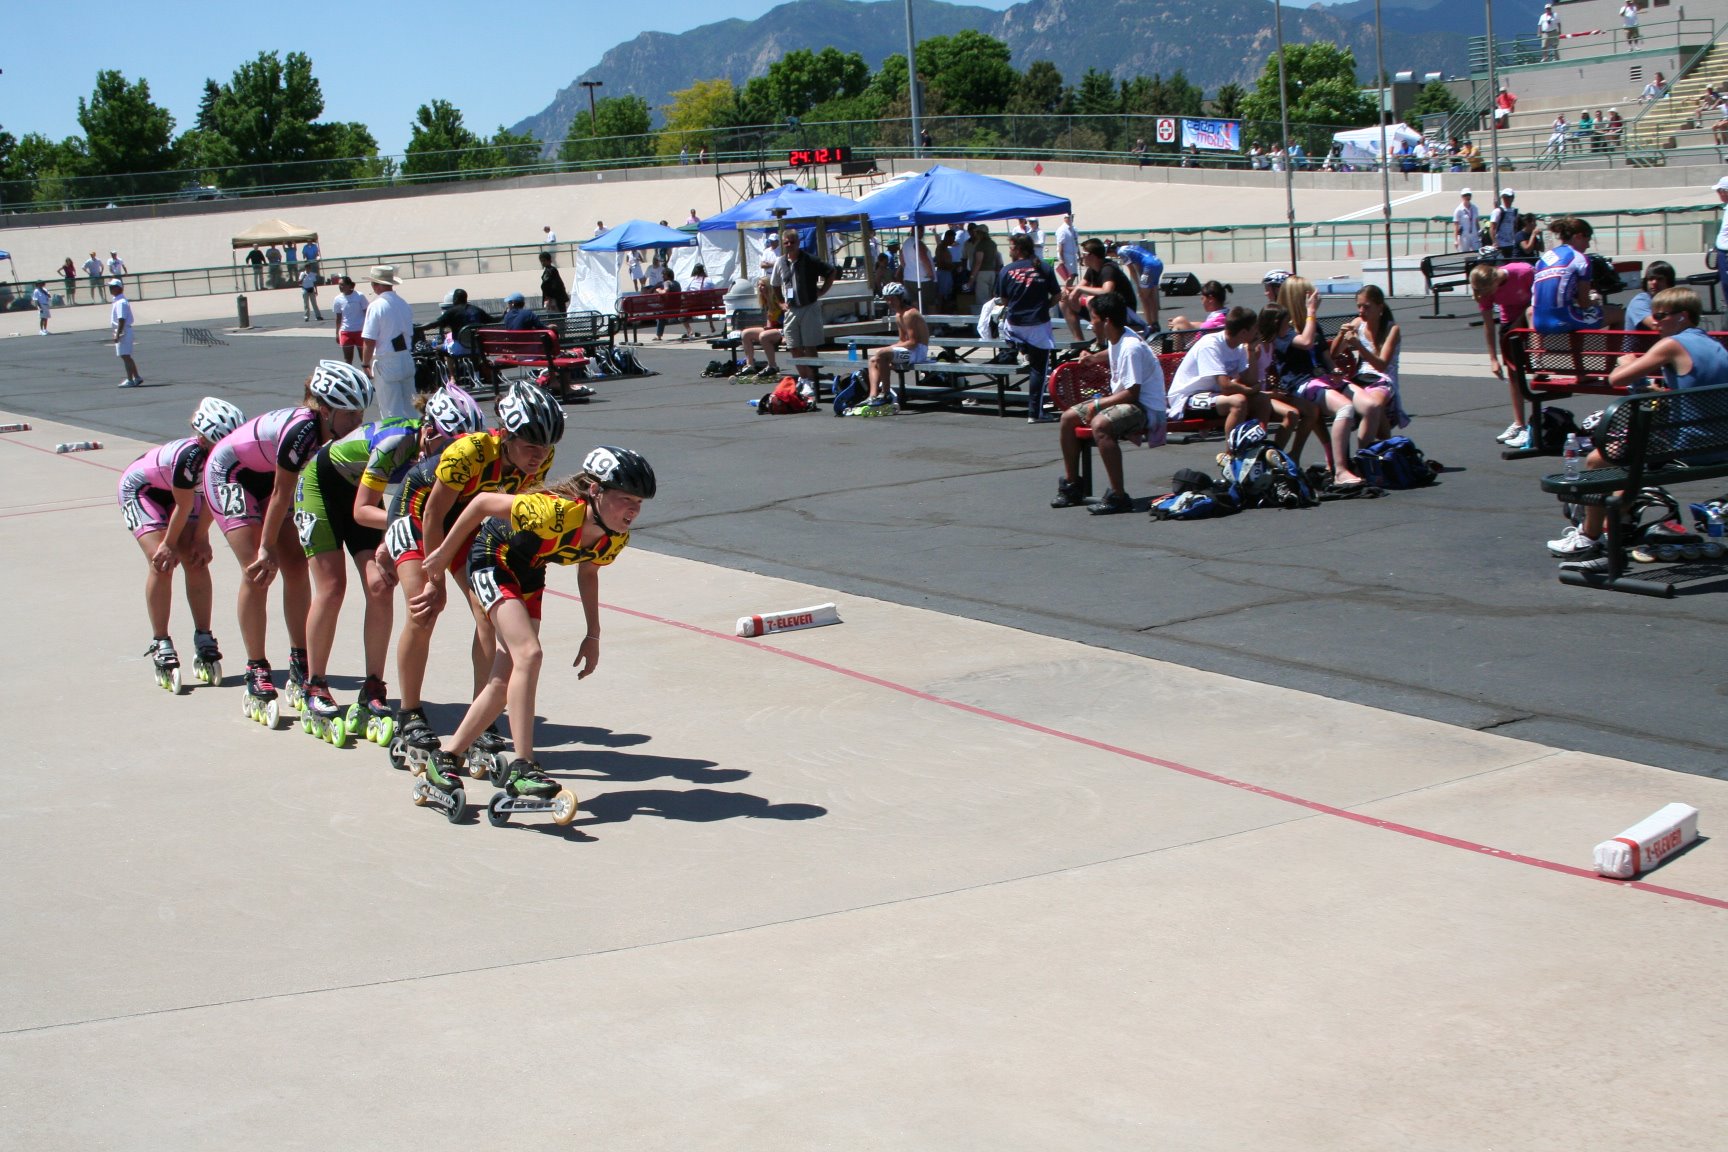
341 385
216 418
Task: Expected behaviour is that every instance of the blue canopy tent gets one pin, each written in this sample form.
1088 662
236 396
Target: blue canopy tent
800 203
948 195
633 234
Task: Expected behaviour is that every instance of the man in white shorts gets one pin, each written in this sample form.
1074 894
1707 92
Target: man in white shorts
1067 251
1210 378
912 347
1133 408
387 345
44 305
803 280
120 322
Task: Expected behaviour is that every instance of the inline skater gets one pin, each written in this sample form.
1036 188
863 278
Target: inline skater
584 520
339 504
434 494
249 485
162 501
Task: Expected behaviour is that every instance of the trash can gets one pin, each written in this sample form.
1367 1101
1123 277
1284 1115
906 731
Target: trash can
245 313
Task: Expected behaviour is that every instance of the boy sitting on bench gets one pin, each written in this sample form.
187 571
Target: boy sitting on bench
912 347
1134 407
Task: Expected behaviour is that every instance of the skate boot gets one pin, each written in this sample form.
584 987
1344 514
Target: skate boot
528 789
488 759
260 702
370 715
207 665
322 716
441 786
413 742
167 664
296 690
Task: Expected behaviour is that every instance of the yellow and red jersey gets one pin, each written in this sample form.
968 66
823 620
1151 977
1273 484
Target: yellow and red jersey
471 464
542 529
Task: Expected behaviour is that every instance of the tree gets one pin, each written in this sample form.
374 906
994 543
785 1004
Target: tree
694 114
972 71
620 131
265 120
1039 91
505 150
127 134
1096 95
800 80
438 142
1227 101
1320 84
206 121
1435 99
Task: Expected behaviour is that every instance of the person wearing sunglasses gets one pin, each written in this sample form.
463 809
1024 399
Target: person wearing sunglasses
1657 277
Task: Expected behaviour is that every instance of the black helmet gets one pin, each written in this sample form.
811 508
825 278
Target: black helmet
529 412
621 470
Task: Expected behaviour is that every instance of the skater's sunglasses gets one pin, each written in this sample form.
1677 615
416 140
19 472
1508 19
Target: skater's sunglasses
1662 315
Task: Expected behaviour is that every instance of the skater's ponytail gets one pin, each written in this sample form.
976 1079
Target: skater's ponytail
582 486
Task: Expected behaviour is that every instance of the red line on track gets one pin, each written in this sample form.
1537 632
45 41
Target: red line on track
1173 766
66 508
68 455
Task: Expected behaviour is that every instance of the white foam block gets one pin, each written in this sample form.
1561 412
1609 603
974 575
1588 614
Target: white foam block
791 620
1648 842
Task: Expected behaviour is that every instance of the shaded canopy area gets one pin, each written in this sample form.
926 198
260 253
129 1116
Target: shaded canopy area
274 232
945 195
633 234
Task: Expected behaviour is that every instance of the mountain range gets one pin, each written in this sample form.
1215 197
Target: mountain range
1215 42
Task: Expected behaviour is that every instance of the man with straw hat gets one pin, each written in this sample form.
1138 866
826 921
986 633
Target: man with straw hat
387 343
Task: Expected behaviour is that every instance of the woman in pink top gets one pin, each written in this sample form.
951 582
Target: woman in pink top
161 501
249 484
1503 293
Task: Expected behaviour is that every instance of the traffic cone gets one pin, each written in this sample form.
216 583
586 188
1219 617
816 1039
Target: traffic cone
1640 239
1349 249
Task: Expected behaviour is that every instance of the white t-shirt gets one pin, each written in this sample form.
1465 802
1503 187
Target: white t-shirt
93 267
1629 13
308 280
1068 247
1467 218
1133 362
121 311
1210 358
389 320
42 300
116 267
1722 233
350 309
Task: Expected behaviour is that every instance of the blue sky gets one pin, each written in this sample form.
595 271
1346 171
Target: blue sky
496 63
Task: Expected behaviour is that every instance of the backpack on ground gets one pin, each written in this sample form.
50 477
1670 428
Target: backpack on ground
1394 463
849 391
1557 424
1193 496
1179 284
628 365
789 396
1242 469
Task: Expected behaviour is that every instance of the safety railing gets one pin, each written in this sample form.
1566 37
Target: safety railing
1579 46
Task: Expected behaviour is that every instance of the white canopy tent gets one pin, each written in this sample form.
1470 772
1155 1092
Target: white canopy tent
1363 144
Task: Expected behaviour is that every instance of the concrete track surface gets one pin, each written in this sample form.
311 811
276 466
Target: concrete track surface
916 881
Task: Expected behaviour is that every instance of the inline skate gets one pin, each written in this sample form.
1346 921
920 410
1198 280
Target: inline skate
441 786
295 692
207 664
260 702
322 716
528 789
166 663
370 716
412 742
488 759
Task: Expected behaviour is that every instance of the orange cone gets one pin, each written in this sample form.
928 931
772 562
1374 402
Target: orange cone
1640 239
1350 249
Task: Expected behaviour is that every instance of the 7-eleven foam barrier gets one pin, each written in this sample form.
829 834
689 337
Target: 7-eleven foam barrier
1648 842
789 621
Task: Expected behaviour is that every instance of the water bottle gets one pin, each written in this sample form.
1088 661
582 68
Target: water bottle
852 350
1571 454
79 446
1716 521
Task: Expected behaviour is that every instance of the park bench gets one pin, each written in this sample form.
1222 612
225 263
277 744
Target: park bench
1545 367
1649 438
585 331
531 348
1449 272
647 307
1073 382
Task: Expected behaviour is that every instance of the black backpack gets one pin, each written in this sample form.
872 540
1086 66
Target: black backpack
1395 463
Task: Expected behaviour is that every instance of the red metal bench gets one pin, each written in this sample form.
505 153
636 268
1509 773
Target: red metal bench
1073 382
646 307
528 348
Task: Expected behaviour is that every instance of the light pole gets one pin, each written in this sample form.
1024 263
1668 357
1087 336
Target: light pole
912 81
1284 127
1493 100
1384 98
593 126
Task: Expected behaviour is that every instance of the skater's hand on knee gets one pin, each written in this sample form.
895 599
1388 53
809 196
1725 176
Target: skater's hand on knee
263 569
163 559
386 569
587 657
429 602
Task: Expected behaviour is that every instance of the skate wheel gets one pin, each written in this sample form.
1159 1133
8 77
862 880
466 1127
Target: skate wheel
386 730
420 797
272 715
479 764
458 805
500 770
174 683
564 807
215 672
497 814
398 758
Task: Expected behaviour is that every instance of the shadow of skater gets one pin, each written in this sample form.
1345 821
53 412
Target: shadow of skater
578 765
700 804
549 734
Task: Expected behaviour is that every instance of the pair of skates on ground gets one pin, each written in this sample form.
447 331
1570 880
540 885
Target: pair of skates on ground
523 787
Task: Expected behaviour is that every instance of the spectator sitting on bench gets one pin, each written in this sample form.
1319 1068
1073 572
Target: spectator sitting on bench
458 314
669 287
1561 298
1689 357
1212 299
1502 293
1365 352
1214 377
698 282
518 317
1293 363
1658 277
912 347
768 339
1099 277
1135 406
1273 283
